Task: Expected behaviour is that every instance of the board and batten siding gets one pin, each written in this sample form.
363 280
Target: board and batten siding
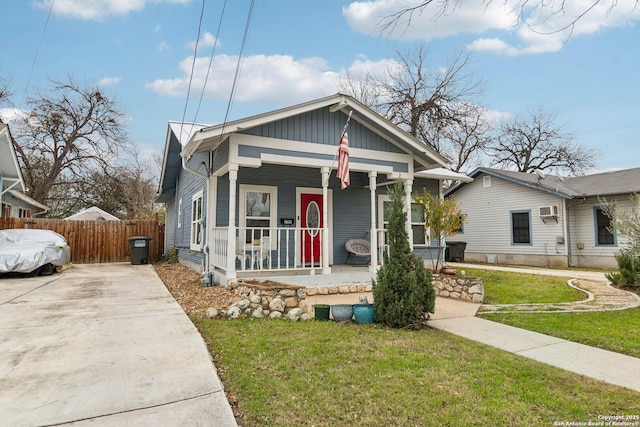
487 230
323 127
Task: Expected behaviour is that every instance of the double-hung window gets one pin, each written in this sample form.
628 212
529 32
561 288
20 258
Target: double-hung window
418 231
521 227
257 210
604 236
196 220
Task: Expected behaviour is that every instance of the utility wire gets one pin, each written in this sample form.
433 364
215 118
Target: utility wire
213 51
44 30
193 65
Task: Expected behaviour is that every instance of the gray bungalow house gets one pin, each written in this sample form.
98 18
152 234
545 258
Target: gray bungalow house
13 201
543 220
261 195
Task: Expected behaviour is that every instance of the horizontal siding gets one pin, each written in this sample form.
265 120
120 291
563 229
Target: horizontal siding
488 225
583 229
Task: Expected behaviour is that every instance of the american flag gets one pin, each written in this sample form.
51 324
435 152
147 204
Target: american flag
343 161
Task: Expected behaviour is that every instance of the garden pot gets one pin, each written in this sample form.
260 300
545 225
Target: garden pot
342 312
321 311
363 313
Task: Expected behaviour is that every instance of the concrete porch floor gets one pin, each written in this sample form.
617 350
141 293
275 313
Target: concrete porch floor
340 275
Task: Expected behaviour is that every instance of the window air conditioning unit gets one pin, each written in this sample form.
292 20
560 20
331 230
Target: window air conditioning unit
548 211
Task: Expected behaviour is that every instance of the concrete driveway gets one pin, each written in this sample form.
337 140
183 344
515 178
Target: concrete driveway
103 344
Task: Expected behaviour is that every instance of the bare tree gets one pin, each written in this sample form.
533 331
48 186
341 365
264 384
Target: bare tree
467 138
524 8
423 100
70 132
539 143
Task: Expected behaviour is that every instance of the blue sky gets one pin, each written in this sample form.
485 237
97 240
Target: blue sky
141 53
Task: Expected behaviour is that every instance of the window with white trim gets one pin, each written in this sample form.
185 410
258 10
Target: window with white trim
419 232
521 227
196 220
258 210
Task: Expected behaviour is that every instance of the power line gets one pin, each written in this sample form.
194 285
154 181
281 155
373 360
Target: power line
44 30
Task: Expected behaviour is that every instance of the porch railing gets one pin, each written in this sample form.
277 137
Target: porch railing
275 248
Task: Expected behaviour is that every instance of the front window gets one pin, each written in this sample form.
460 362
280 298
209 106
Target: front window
604 236
257 210
418 230
196 220
521 227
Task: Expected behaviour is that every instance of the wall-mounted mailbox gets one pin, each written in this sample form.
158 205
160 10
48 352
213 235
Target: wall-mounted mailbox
287 221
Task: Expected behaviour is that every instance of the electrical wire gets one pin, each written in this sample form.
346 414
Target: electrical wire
35 58
193 66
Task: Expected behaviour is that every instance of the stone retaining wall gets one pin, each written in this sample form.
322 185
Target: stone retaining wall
464 288
275 300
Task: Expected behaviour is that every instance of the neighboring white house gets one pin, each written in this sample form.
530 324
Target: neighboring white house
12 198
93 213
543 220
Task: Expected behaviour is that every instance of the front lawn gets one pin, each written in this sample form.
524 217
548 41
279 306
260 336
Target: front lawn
501 287
323 373
617 331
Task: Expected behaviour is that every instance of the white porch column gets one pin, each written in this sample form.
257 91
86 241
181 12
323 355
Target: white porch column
325 215
408 186
373 266
231 238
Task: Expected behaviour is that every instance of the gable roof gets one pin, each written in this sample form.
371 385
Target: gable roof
209 137
28 200
92 213
9 167
178 135
614 183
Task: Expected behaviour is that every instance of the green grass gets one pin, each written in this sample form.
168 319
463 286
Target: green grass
617 331
322 373
502 287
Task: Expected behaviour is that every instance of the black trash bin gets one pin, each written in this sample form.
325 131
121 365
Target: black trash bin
455 251
139 250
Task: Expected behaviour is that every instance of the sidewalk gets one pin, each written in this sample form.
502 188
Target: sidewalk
458 318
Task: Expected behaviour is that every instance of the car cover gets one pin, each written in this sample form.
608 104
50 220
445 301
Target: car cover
25 250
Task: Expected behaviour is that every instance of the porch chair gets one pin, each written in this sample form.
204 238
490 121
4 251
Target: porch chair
358 248
242 255
264 253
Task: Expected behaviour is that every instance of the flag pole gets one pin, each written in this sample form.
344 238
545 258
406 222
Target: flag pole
344 130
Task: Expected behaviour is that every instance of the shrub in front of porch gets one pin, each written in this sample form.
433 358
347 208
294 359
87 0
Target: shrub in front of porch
402 291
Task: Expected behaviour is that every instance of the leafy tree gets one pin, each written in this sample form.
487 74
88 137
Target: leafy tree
402 291
442 216
538 143
71 132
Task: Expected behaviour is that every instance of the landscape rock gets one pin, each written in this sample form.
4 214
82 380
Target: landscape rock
257 313
294 314
243 303
233 312
212 313
275 315
277 304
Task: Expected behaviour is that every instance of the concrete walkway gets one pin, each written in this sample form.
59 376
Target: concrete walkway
458 318
103 344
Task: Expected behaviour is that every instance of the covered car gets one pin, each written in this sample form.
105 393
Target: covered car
27 251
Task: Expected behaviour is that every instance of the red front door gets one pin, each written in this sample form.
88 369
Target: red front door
311 221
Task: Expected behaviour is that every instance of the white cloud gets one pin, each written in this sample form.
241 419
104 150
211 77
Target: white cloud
468 16
9 115
541 32
270 79
107 81
207 40
162 46
97 9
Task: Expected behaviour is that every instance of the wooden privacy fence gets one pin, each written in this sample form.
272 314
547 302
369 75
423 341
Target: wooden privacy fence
97 241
